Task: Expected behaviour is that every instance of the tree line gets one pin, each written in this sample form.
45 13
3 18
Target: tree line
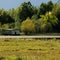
32 20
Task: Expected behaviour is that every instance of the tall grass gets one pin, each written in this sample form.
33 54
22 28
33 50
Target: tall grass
29 49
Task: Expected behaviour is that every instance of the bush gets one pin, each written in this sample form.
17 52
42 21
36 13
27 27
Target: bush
2 58
18 58
28 26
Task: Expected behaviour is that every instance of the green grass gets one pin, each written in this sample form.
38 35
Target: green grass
29 49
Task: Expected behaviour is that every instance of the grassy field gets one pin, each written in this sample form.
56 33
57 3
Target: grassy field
29 49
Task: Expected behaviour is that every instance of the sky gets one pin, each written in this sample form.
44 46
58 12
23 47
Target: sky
8 4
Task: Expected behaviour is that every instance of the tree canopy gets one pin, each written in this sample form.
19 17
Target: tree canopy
45 7
42 19
4 17
28 26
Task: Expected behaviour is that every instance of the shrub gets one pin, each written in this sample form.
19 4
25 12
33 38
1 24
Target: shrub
28 26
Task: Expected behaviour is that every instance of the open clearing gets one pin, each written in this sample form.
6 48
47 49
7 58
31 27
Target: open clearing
29 49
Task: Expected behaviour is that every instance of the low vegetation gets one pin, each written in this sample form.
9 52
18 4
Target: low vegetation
29 49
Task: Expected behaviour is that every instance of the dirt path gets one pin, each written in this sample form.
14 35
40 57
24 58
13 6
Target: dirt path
29 36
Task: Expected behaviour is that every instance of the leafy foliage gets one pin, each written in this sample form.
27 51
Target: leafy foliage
28 26
26 10
4 17
43 19
56 10
45 8
46 22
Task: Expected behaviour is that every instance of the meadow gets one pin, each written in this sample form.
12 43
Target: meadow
29 49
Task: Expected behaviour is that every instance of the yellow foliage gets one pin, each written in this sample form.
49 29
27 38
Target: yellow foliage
28 25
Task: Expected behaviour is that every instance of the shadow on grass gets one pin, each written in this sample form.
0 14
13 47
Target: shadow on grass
2 58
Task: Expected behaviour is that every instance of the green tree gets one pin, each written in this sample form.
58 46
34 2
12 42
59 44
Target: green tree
34 17
56 12
11 12
45 7
26 10
47 22
50 6
42 9
4 17
28 26
14 13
